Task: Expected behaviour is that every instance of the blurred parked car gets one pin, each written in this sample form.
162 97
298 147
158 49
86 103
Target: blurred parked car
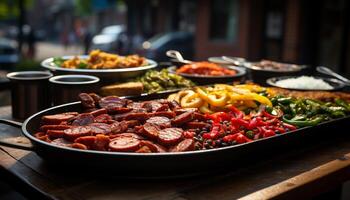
155 47
12 32
111 39
8 53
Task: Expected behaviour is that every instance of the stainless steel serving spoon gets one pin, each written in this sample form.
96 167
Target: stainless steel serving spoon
232 61
177 55
327 71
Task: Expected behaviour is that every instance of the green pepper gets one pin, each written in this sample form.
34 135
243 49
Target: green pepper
299 117
303 123
343 104
338 114
82 65
285 100
58 61
250 134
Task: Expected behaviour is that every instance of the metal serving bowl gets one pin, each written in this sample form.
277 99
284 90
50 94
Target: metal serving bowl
106 75
259 75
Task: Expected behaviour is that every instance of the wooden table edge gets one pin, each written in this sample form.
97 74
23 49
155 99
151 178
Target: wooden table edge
308 183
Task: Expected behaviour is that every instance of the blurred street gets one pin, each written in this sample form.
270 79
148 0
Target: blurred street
47 49
43 50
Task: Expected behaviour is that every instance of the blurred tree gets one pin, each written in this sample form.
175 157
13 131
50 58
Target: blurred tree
16 9
83 7
10 9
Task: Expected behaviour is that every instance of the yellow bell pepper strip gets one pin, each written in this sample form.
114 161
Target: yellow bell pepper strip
172 97
180 95
205 109
191 100
250 104
230 88
249 97
259 98
217 99
251 87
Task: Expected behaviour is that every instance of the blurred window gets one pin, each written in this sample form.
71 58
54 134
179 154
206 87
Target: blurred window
224 20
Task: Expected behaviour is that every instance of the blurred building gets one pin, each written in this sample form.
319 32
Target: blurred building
294 31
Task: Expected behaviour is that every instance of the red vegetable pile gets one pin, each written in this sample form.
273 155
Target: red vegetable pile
234 127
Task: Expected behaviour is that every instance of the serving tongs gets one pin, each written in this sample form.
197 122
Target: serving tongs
327 71
236 62
177 56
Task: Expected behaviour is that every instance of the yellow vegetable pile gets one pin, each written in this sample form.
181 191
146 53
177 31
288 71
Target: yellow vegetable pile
221 96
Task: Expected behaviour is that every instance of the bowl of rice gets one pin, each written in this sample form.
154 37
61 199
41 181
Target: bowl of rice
306 83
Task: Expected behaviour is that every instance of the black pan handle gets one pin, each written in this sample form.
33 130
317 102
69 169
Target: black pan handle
14 142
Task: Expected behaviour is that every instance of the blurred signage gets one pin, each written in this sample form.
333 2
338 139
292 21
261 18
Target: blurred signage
98 5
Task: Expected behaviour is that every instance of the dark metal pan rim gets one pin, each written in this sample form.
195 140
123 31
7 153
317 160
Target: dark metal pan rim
250 65
31 137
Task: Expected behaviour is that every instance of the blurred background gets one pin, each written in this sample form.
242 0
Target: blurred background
295 31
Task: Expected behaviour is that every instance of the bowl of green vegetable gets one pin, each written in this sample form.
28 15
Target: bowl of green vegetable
158 81
54 64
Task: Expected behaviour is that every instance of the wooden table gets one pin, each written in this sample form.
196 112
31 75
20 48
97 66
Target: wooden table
300 173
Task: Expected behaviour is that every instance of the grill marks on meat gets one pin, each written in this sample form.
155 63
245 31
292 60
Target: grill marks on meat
112 102
116 124
72 133
170 136
160 121
83 119
182 118
100 128
119 127
184 145
150 131
124 144
58 118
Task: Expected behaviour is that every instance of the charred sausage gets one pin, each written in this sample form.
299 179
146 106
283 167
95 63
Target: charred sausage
170 136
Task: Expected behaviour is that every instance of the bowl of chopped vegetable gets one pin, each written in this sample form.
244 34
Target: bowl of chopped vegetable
151 82
108 67
204 73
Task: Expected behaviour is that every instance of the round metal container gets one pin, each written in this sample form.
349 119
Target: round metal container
66 88
106 75
29 92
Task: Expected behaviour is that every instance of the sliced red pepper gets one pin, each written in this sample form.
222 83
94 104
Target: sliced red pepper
280 129
214 133
240 122
272 121
219 116
267 132
242 138
268 115
260 122
230 138
253 123
289 126
237 113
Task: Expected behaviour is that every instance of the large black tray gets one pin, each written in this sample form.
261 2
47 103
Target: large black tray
170 164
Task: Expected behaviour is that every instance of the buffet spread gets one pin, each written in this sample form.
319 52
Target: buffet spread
192 119
203 113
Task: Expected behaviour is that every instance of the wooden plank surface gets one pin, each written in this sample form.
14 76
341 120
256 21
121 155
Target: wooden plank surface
285 175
